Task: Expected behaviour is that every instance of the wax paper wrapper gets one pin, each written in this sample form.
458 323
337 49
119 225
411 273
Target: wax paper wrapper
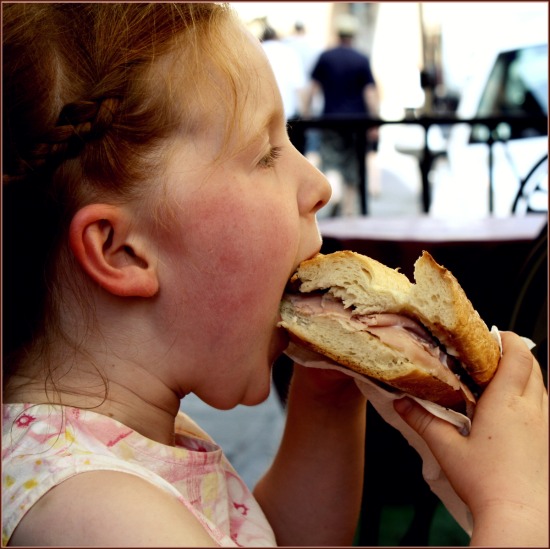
382 400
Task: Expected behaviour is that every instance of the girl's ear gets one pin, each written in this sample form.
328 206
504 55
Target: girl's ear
113 252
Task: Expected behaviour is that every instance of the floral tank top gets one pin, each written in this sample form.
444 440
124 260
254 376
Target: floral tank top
43 445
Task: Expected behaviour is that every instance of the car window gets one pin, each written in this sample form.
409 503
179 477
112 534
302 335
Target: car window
517 86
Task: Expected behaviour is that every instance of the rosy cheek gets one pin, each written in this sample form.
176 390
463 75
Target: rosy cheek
251 230
254 277
242 246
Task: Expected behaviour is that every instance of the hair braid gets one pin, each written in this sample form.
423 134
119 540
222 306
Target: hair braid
79 123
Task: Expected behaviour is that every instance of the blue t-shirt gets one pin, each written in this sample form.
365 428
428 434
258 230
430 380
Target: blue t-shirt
343 73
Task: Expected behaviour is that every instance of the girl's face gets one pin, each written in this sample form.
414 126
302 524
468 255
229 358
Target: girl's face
240 226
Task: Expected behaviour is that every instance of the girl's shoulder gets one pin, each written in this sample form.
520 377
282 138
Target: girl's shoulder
88 506
44 446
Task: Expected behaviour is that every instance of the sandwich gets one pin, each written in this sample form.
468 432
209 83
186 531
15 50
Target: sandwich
424 339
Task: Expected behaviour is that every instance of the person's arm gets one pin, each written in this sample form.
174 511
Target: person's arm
312 493
307 95
109 509
371 99
501 469
372 103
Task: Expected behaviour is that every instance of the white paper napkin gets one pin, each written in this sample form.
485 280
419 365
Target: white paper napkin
382 400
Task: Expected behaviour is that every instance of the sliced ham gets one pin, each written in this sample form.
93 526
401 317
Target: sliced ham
395 330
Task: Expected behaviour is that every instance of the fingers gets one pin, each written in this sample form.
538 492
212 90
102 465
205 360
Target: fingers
438 434
535 388
515 368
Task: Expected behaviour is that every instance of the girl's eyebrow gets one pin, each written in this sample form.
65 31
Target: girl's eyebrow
264 127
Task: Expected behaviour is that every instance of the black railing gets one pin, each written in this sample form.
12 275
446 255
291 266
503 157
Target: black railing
360 124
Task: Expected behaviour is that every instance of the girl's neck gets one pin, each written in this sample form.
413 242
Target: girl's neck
128 394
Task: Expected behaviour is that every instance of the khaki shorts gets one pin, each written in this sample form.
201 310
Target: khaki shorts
339 152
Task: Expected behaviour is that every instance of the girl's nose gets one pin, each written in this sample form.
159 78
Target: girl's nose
325 192
316 189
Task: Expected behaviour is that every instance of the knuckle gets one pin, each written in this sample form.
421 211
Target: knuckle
421 422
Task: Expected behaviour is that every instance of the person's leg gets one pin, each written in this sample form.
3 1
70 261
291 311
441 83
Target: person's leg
373 173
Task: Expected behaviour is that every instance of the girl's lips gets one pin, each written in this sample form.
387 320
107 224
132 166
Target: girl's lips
311 256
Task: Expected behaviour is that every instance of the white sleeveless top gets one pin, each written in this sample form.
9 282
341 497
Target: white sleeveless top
43 445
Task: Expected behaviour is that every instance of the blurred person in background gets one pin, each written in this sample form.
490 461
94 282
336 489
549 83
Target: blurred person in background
343 75
300 42
309 53
289 73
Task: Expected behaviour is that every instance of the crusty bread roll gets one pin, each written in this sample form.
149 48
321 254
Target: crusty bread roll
424 339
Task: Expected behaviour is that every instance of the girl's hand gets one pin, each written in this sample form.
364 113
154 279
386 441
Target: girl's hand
501 469
328 387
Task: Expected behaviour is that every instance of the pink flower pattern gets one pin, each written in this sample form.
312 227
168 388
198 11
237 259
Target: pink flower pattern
65 441
242 508
24 420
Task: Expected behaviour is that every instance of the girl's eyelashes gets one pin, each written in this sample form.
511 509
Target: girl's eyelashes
268 161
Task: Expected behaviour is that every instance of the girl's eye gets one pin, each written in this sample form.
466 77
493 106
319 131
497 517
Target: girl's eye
268 161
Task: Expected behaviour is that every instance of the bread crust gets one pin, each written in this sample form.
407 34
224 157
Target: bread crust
458 326
399 373
436 299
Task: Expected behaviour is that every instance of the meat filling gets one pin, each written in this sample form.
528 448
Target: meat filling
395 330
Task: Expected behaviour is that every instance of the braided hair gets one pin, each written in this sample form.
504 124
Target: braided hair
82 120
79 122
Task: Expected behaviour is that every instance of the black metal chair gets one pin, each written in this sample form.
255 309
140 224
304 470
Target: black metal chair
532 195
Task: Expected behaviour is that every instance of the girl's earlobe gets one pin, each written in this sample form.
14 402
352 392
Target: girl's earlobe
112 252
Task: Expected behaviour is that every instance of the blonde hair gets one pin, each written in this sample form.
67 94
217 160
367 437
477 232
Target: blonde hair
84 121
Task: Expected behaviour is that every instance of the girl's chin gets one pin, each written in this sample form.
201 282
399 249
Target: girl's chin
258 394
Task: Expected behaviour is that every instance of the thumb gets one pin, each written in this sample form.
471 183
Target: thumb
439 435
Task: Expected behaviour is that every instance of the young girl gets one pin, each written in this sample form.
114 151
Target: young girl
154 210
